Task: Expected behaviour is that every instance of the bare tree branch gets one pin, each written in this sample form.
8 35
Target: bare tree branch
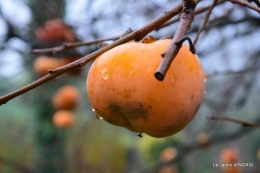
224 118
197 11
257 2
186 19
66 46
246 4
205 21
137 35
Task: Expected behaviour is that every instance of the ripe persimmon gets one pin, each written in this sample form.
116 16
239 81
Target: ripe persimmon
66 97
123 90
42 64
63 119
55 30
202 138
168 154
230 156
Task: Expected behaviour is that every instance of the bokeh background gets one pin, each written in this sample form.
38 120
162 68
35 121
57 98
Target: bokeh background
229 50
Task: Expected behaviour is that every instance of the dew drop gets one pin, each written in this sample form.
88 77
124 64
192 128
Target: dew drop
98 116
206 78
172 78
104 73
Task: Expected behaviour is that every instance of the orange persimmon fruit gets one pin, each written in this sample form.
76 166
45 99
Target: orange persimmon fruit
66 97
63 119
168 154
230 156
55 30
123 90
42 64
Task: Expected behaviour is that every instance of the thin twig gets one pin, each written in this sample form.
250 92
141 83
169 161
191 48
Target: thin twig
137 35
224 118
246 4
257 2
66 46
205 21
186 19
197 11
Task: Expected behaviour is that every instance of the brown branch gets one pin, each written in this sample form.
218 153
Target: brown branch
257 2
137 35
246 4
197 11
205 21
224 118
186 19
66 46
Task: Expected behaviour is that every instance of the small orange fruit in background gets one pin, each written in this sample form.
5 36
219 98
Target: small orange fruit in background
123 90
55 30
202 138
168 154
42 64
66 97
63 119
230 156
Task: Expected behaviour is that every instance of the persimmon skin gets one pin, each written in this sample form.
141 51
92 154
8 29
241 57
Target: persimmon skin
63 119
122 88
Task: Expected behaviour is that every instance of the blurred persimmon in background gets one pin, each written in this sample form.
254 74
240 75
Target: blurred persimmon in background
67 97
63 118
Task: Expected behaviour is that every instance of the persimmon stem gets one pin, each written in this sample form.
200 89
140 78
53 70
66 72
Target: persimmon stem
140 135
186 19
179 43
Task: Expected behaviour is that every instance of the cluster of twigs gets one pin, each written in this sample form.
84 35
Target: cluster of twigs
187 8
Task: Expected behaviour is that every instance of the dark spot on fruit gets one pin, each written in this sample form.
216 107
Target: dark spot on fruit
192 97
128 110
117 115
135 110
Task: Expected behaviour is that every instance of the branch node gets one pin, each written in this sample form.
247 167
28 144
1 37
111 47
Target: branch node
188 7
50 71
163 54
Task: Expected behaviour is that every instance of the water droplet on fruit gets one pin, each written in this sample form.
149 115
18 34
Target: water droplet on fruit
98 116
172 78
205 77
104 73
